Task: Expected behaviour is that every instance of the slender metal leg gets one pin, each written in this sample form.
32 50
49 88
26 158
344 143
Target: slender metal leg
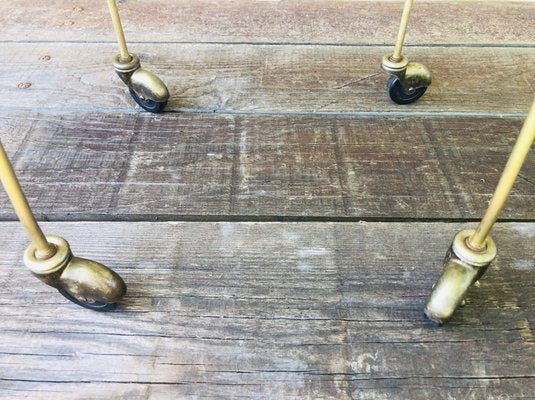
512 168
49 258
472 251
118 27
7 175
408 81
146 88
396 55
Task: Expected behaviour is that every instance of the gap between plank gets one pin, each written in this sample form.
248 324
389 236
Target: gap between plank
249 218
244 43
324 114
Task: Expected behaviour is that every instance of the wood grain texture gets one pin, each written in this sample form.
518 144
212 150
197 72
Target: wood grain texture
289 120
172 166
309 21
269 310
265 79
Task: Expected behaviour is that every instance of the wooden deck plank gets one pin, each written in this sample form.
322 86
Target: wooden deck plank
291 121
305 21
172 166
265 79
269 310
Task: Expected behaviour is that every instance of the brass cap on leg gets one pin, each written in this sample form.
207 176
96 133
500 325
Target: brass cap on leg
121 65
394 66
49 270
125 69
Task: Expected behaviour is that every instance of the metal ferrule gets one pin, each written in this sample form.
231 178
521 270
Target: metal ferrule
395 67
49 270
125 69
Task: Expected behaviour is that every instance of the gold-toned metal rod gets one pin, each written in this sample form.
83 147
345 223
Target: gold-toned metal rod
22 208
507 180
396 56
114 12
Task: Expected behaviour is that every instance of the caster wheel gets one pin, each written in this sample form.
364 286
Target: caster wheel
148 105
93 305
399 95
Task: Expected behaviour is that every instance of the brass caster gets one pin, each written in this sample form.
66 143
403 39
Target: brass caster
84 282
408 82
463 266
146 88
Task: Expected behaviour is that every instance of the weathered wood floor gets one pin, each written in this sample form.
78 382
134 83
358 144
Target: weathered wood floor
280 227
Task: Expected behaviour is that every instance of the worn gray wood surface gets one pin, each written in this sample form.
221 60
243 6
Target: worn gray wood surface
269 310
288 119
303 21
265 79
172 166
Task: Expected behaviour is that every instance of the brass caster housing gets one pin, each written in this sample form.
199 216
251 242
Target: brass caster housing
463 266
408 82
84 282
146 88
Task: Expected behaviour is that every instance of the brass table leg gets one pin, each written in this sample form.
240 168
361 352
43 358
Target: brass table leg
146 88
472 251
84 282
408 81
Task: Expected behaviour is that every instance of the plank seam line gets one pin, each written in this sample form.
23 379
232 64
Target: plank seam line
353 375
323 114
129 382
161 218
306 44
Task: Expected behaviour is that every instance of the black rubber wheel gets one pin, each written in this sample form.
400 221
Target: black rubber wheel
149 105
95 305
398 94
